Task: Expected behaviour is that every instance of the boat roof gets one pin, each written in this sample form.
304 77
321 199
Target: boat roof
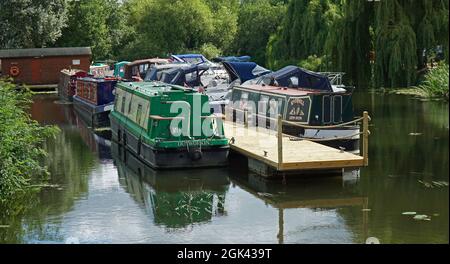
244 70
296 77
232 59
152 72
151 61
153 88
185 58
98 79
278 90
42 52
178 75
122 62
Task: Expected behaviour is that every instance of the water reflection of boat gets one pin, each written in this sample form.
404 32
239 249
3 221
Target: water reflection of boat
98 143
177 198
325 193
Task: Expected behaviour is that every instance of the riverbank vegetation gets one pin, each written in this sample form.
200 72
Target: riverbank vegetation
382 44
436 83
21 139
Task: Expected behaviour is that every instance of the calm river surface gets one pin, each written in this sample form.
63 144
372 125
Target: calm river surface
96 197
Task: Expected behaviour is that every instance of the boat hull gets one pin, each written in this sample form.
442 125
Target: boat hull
96 116
169 158
346 138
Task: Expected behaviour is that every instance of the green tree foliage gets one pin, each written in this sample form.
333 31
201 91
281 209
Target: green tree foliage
167 26
99 24
31 23
258 19
349 41
225 22
344 33
20 141
303 32
173 26
402 30
395 43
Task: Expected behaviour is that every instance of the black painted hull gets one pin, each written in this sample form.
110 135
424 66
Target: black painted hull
94 116
173 158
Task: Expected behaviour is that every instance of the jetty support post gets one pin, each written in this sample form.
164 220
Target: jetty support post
280 141
366 132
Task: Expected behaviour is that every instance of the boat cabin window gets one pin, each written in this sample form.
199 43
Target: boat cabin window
293 82
274 107
262 104
139 114
244 100
122 109
337 116
326 109
129 106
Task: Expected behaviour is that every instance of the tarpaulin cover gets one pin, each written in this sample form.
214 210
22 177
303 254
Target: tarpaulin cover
232 59
244 70
303 78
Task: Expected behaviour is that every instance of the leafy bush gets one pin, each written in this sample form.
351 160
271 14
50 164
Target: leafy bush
20 141
436 82
209 50
313 63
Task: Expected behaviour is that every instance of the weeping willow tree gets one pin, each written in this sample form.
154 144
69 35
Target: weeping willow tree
349 41
404 30
395 43
303 32
345 33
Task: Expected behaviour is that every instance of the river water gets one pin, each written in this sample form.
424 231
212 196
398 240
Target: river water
99 194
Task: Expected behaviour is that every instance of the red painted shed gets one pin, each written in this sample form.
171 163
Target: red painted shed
42 66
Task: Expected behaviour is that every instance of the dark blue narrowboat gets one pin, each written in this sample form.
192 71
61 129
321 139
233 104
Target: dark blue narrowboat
94 100
319 101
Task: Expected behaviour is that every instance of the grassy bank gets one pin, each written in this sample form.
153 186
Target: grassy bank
20 142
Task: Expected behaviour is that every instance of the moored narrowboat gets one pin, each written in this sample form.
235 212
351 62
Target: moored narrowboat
166 126
100 70
302 97
137 69
119 69
67 83
94 100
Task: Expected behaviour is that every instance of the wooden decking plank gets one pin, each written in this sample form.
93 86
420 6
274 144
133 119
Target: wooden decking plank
297 155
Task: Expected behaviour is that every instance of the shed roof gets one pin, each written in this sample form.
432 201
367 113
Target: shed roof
43 52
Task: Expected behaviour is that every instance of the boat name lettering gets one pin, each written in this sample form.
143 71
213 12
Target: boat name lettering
194 143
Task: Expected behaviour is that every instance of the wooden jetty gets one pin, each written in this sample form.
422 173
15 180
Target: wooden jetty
272 153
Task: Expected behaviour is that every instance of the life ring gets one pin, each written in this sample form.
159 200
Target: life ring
14 71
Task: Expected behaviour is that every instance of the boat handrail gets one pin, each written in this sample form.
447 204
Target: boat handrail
334 77
157 117
299 124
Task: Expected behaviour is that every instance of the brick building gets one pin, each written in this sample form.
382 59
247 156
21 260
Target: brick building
42 66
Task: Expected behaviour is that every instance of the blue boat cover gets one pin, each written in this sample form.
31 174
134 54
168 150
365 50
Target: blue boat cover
189 58
232 59
178 76
303 79
244 70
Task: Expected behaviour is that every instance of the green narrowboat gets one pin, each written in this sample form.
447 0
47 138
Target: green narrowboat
167 126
